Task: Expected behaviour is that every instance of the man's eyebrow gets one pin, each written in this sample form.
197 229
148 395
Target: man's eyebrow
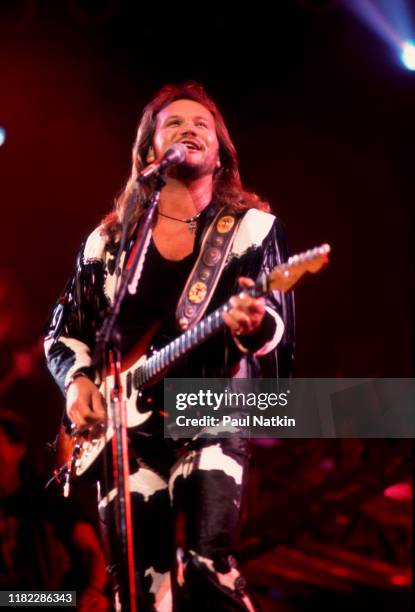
195 118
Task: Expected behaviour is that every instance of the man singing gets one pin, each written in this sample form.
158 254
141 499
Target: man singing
210 238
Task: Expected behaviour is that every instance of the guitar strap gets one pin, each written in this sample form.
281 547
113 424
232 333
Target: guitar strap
206 272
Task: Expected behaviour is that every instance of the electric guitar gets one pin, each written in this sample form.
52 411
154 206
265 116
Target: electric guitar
139 371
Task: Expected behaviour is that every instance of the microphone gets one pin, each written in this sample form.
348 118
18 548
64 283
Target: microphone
175 154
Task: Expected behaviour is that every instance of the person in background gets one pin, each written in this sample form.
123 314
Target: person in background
46 542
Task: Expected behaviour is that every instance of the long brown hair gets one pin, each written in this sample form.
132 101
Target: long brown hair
227 186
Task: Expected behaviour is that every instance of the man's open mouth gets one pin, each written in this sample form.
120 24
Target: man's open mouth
192 145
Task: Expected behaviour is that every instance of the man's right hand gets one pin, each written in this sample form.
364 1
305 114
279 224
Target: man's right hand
84 404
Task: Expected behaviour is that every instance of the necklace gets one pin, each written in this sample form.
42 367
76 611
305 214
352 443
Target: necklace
192 222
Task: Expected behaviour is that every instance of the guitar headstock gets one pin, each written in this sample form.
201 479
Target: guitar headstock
284 277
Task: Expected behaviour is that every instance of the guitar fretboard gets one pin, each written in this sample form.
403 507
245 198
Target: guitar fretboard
183 344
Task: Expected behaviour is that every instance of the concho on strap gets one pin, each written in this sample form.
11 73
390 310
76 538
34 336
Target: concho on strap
206 272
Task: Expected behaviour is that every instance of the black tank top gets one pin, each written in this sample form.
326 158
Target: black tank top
159 288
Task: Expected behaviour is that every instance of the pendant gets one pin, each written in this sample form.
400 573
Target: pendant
192 226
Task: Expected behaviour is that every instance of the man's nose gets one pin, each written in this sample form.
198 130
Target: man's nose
187 128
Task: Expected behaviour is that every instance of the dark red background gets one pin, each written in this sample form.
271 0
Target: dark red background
322 115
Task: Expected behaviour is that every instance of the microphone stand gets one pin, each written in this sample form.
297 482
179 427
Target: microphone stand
108 353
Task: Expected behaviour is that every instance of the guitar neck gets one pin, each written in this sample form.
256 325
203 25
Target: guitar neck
190 339
282 278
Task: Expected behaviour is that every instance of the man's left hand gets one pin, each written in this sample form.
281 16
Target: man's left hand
247 313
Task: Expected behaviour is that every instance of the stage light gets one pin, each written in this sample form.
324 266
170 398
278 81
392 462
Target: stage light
392 22
400 580
2 136
408 55
401 491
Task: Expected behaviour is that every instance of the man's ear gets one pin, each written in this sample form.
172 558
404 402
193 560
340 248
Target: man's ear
150 156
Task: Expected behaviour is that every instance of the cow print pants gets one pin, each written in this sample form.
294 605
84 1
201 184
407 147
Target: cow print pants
186 501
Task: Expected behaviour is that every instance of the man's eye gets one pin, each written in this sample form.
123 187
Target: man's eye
173 122
202 123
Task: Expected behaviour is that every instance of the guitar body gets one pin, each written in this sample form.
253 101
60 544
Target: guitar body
88 447
79 452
